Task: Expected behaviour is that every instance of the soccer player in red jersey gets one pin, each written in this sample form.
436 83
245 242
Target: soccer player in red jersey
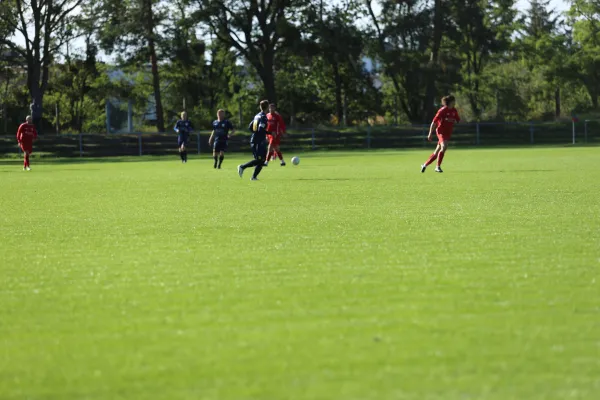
275 129
26 134
444 122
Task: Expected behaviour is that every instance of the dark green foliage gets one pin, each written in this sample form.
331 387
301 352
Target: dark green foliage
339 63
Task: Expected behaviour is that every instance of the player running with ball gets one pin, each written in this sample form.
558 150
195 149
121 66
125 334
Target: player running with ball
444 122
258 141
26 134
183 127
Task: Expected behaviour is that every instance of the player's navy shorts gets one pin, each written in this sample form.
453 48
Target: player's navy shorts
259 150
220 146
182 139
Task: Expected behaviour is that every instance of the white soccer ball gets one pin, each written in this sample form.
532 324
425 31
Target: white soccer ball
295 160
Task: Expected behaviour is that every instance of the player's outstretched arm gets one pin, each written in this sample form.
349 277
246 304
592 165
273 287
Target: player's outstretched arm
430 135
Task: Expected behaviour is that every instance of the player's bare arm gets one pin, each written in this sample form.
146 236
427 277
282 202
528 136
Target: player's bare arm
210 139
431 128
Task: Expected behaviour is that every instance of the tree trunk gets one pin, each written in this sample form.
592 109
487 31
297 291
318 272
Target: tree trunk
36 108
268 76
473 100
339 112
269 84
149 28
474 106
345 108
594 97
557 102
160 119
293 115
429 109
499 114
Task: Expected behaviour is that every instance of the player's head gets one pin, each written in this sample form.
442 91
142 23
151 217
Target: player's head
28 119
272 107
449 101
184 115
221 115
264 105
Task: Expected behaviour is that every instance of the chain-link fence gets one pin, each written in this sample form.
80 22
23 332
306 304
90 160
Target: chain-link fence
375 137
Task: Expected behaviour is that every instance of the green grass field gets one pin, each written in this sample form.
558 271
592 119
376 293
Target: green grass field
351 276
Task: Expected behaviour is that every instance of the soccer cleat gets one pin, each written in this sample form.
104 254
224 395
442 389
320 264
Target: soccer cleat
240 171
438 169
266 164
28 168
423 168
283 163
253 179
219 167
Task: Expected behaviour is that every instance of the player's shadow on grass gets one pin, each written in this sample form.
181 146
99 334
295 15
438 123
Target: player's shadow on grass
323 179
38 170
67 160
340 179
502 171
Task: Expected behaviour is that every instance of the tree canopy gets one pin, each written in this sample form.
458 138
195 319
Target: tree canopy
339 63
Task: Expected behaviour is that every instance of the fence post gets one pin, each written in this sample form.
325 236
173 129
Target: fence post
585 124
477 140
531 129
313 139
369 137
140 142
198 137
80 144
573 130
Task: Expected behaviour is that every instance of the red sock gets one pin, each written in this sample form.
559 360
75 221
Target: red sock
26 161
431 159
280 155
441 158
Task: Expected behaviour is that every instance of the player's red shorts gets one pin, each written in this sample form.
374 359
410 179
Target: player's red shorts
274 140
443 137
26 147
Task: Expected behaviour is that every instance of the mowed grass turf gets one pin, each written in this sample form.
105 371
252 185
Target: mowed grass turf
351 276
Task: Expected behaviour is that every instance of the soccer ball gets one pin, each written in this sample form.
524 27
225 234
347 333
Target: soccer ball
295 160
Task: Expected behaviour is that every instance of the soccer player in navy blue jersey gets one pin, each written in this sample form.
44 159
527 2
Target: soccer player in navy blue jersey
183 127
258 141
221 129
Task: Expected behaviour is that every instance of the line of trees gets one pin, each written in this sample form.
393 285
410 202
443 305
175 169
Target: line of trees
340 63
